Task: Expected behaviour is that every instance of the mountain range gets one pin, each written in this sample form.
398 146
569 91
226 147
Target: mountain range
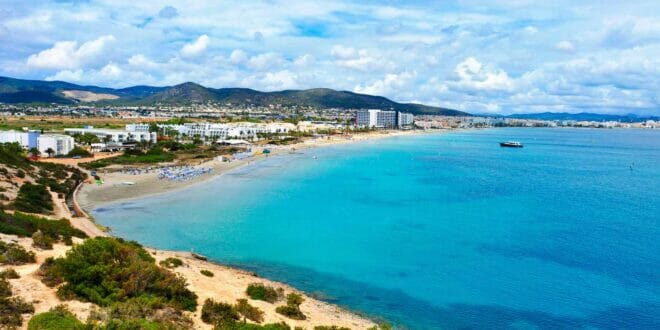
20 91
583 116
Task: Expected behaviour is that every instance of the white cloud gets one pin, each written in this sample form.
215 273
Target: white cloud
141 61
265 61
474 76
387 85
360 59
238 56
343 52
196 47
67 54
304 60
565 45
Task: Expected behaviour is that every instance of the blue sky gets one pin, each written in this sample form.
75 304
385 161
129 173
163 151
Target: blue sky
479 56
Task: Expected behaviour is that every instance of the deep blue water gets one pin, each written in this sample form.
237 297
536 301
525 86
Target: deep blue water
440 231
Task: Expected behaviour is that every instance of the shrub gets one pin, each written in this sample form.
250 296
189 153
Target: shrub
20 174
250 326
330 327
48 275
5 288
381 326
11 311
39 240
10 274
292 308
58 317
14 254
26 225
171 262
33 198
218 313
248 311
80 152
207 273
106 270
259 291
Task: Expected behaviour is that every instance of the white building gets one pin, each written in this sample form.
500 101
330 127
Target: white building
137 127
59 143
27 139
405 119
115 135
217 131
375 118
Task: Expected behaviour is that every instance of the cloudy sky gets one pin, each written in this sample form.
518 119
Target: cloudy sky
491 56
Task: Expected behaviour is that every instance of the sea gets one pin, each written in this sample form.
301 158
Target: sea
439 231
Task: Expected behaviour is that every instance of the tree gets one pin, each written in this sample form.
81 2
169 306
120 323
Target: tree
153 127
86 138
50 152
34 151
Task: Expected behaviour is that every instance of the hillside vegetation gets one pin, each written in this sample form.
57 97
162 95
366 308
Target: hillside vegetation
35 91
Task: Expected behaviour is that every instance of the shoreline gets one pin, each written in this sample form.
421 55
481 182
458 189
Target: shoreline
91 196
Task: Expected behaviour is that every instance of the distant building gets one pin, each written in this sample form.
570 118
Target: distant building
59 143
405 119
137 127
375 118
115 135
219 131
27 139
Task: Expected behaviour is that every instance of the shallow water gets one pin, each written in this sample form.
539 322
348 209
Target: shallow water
439 231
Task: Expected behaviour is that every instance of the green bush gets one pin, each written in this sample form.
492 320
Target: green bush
292 308
48 274
206 273
12 310
330 327
107 270
259 291
381 326
58 317
10 274
218 313
26 225
14 254
250 326
33 198
248 311
5 288
20 174
39 240
79 152
171 262
12 155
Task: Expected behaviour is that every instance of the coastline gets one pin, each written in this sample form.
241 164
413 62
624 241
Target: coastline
91 196
233 280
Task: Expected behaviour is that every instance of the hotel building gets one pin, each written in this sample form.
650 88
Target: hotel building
375 118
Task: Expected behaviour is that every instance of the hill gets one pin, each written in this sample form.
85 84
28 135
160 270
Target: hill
19 91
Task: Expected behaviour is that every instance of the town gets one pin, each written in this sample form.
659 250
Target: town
215 124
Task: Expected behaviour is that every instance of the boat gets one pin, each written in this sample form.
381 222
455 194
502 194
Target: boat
511 144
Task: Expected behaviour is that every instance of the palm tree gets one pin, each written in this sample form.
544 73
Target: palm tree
50 152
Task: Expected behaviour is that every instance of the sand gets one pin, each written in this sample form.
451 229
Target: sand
113 189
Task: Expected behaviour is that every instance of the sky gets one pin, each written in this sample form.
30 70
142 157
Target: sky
496 56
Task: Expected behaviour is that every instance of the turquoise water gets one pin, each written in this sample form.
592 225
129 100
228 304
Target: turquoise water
440 231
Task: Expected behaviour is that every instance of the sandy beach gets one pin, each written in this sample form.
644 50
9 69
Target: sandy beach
114 188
